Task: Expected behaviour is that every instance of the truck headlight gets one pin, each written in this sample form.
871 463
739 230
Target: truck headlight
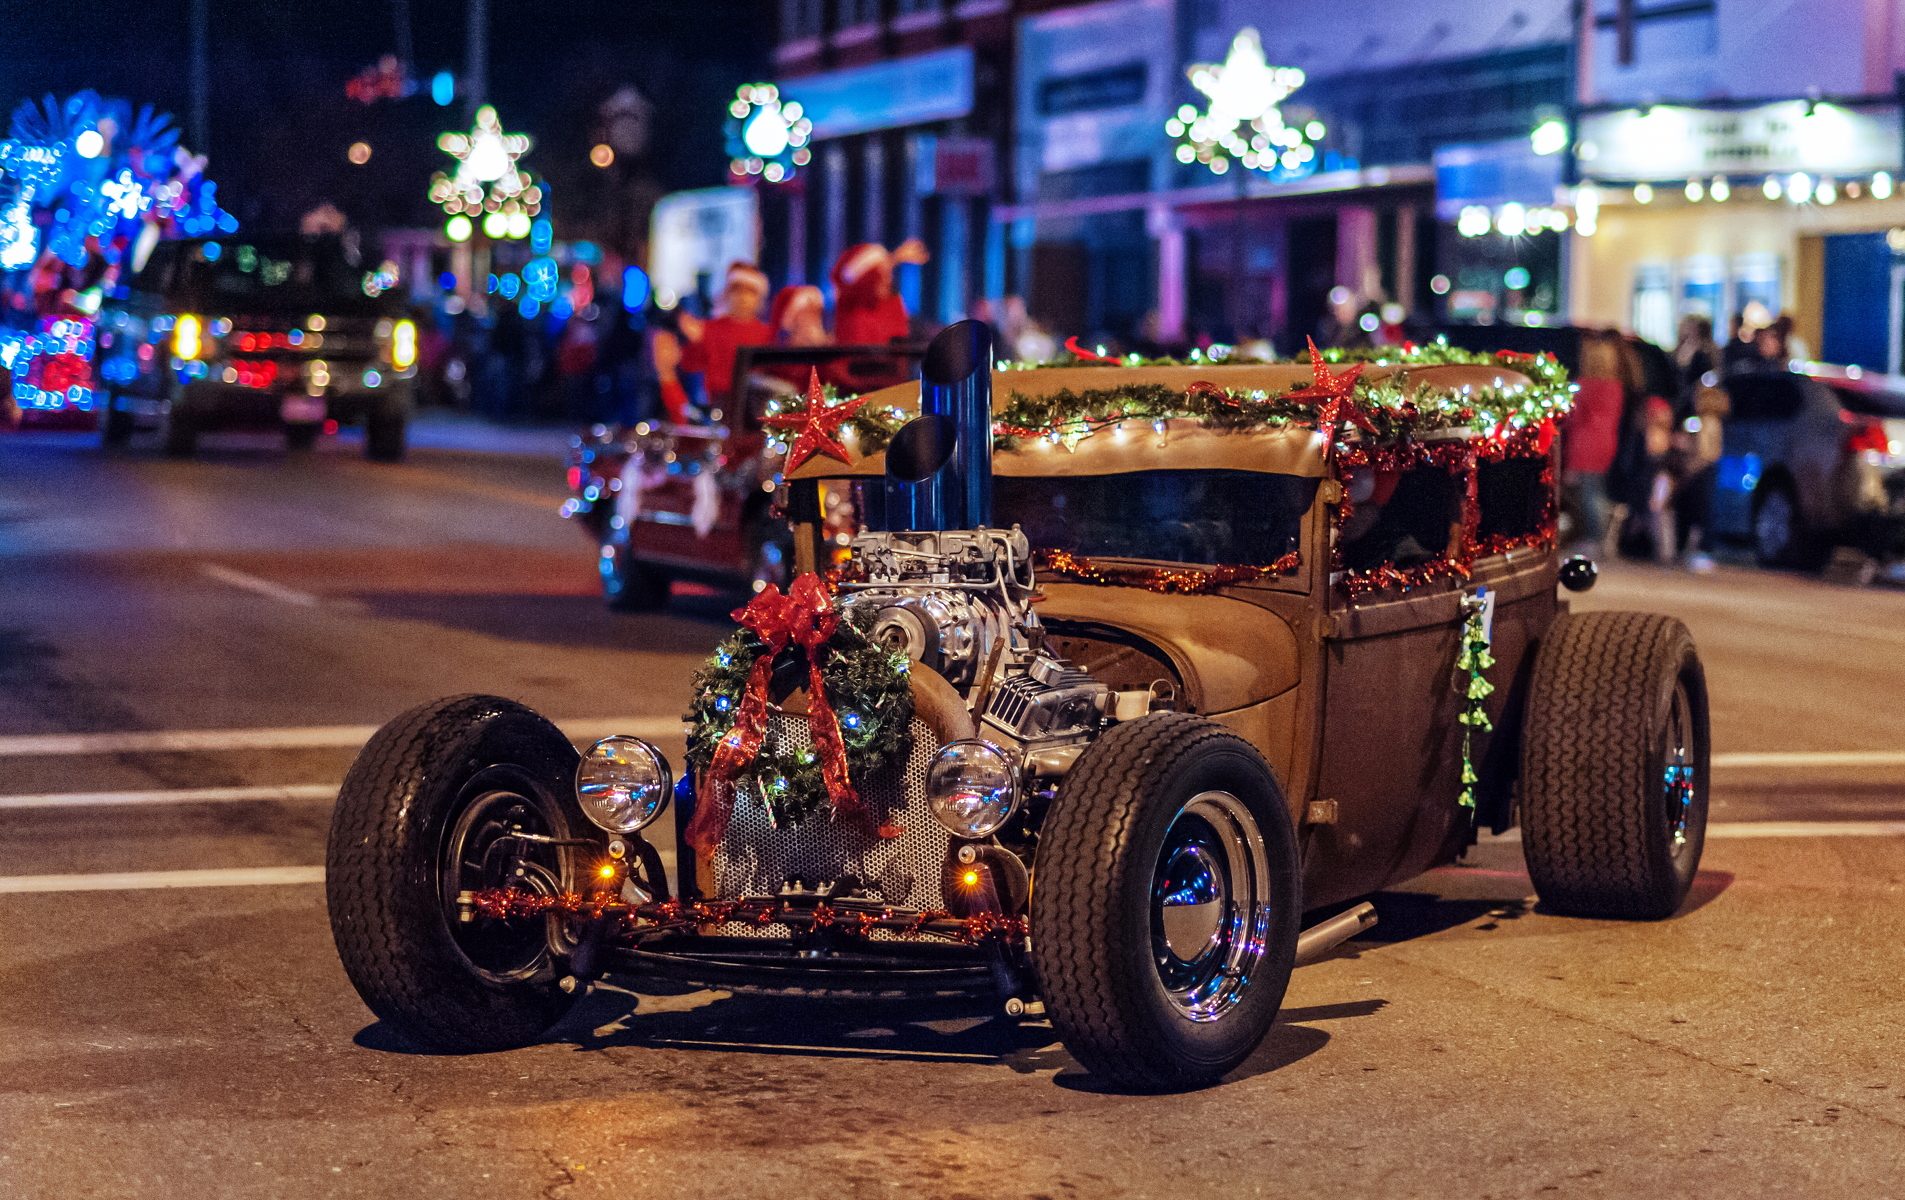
622 784
973 788
188 340
403 345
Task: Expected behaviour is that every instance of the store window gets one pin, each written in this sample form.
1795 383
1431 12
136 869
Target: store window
1653 309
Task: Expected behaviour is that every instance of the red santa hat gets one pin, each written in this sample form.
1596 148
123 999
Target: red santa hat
746 274
793 299
857 262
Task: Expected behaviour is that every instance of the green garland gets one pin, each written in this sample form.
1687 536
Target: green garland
871 695
1473 659
1069 415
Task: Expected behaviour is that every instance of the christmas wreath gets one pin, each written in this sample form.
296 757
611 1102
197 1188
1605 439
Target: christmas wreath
860 706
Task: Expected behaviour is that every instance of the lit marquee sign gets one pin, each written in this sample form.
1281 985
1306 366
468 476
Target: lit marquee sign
1666 142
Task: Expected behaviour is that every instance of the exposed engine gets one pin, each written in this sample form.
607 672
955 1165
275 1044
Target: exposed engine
959 602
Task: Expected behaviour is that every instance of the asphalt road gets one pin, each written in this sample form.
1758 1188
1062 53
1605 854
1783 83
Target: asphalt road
202 1040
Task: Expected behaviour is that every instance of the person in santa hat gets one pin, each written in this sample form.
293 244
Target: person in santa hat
712 343
799 318
867 311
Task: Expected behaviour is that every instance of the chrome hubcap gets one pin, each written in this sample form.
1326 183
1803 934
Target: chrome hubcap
1679 771
482 853
1210 912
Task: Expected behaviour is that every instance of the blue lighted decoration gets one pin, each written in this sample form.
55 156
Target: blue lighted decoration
542 235
634 288
542 277
443 89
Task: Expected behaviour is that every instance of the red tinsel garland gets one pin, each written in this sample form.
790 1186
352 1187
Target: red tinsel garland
664 915
1183 581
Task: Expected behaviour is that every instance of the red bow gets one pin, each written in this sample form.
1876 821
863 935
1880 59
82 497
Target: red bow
803 617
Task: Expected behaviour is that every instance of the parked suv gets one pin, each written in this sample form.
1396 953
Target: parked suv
220 334
1192 652
1813 458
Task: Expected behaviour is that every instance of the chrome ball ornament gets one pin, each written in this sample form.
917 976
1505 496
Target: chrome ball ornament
972 788
622 784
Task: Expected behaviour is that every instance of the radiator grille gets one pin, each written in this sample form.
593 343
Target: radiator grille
756 859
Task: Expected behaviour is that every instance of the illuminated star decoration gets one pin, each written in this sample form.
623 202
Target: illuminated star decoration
816 425
487 180
1336 393
1242 120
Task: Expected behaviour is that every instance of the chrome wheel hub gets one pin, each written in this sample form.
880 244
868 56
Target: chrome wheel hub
1210 898
1679 770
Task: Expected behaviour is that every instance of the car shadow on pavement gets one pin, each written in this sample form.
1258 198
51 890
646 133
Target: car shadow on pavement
578 622
973 1030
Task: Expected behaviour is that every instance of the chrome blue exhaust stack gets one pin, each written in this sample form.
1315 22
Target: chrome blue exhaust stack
939 465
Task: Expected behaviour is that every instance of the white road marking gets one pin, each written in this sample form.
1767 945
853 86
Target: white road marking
1773 829
127 881
306 738
263 587
1812 758
326 792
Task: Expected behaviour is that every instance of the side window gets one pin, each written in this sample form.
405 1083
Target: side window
1512 498
1399 518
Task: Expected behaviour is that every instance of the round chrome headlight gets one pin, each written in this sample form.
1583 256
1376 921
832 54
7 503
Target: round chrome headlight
622 784
973 788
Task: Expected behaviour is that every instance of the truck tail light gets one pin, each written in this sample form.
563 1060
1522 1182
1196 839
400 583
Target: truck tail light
403 345
1866 436
188 340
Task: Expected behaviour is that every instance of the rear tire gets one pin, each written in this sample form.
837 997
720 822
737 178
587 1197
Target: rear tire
1615 758
179 433
1165 903
115 424
1779 534
629 584
425 813
384 436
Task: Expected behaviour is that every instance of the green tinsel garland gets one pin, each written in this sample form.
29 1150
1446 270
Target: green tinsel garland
1069 415
1473 659
871 695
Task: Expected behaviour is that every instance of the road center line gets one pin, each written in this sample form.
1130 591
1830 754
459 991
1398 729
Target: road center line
1717 830
305 738
1813 758
325 792
127 881
262 587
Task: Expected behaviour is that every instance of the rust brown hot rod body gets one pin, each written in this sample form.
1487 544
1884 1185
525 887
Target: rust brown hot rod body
1188 654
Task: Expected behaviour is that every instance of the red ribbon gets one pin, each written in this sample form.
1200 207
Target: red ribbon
804 617
1084 355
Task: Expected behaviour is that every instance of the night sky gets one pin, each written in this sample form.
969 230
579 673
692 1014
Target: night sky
281 122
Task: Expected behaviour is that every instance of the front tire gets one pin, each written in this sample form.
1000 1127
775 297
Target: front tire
1166 902
428 810
1615 759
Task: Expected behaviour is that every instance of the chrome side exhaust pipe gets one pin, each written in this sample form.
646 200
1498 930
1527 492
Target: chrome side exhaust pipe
1315 943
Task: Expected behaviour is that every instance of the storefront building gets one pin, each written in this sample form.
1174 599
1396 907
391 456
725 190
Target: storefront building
1787 197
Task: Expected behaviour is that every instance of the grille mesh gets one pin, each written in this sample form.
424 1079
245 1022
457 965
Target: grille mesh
757 859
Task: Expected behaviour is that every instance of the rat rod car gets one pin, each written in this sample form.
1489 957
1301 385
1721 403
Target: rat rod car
1090 719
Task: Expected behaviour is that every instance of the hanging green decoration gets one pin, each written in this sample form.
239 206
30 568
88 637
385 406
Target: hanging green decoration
1469 683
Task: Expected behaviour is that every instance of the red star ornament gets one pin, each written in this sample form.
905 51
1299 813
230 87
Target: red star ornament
815 426
1337 393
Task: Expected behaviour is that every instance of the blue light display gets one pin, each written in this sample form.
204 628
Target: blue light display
634 288
443 89
542 235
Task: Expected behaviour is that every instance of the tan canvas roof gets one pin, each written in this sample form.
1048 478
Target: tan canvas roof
1136 446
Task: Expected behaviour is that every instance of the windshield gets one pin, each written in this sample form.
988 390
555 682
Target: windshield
1207 518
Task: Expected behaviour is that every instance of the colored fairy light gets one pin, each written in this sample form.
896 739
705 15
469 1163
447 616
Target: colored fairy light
443 89
767 134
